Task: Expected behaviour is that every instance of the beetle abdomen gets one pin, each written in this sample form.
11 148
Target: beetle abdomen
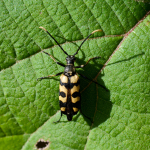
75 93
69 94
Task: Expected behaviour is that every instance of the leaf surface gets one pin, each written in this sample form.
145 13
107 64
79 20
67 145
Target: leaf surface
29 107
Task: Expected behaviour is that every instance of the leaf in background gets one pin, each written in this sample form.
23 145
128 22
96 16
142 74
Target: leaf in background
27 106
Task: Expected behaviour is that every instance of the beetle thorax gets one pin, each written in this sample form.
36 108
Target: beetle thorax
70 69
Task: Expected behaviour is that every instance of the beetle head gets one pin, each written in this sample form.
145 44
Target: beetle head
70 59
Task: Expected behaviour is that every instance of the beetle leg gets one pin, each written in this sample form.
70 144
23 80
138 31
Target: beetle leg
50 76
81 66
93 81
59 119
54 59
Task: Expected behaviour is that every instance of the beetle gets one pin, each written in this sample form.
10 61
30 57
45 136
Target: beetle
69 87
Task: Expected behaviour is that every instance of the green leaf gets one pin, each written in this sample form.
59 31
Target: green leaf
127 78
28 107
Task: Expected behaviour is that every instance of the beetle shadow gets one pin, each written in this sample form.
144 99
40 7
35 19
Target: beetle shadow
97 107
99 112
128 59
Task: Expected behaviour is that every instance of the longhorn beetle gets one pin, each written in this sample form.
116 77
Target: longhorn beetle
69 87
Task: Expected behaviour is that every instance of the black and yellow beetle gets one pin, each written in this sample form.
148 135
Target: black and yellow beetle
69 88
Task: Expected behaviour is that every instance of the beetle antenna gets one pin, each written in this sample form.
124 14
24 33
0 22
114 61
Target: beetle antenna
54 40
86 39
